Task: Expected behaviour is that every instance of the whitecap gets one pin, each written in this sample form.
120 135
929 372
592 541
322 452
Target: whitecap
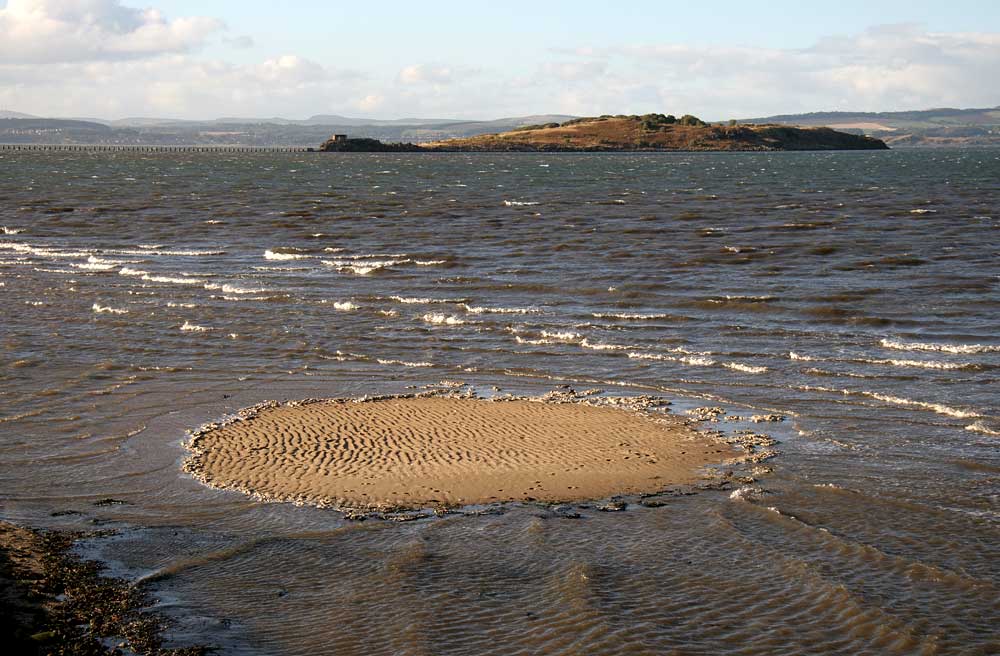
404 363
519 203
747 368
561 335
190 327
234 289
429 262
345 306
697 361
981 427
586 343
478 309
442 319
923 211
104 309
272 255
11 231
628 315
947 348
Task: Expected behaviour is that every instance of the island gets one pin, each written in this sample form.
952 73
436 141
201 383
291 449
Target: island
629 133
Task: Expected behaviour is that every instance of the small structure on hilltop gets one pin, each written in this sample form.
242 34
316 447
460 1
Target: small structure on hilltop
339 143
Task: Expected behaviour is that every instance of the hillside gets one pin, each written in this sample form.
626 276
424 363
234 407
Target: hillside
247 131
655 132
930 127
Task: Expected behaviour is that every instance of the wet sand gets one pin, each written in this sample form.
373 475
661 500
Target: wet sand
418 452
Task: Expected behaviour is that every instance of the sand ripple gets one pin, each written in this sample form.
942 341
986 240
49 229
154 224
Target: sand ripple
413 452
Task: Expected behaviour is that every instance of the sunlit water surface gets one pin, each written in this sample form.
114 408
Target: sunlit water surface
856 293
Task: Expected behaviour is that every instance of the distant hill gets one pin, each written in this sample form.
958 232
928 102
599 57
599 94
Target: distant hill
656 132
49 124
931 127
9 114
263 131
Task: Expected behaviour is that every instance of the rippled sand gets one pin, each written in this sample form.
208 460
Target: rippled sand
414 452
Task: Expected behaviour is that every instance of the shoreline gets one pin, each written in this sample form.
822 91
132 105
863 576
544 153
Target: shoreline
54 602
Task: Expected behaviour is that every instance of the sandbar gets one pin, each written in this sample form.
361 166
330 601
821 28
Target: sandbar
419 452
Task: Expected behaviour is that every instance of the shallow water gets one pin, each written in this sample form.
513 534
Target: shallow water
855 293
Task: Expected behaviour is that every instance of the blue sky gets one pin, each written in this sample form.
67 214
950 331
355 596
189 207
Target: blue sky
190 59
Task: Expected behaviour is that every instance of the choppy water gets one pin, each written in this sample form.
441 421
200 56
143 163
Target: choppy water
854 292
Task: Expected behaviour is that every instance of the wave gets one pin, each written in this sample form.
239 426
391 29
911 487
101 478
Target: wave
478 309
534 342
562 336
923 364
345 306
11 231
404 363
40 251
274 255
180 305
628 315
152 251
147 276
981 427
363 268
234 289
520 203
586 343
190 327
429 262
410 300
104 309
923 211
939 408
442 319
946 348
750 369
697 361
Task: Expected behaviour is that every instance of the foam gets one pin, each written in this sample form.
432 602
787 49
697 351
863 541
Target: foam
633 316
938 408
946 348
562 336
404 363
981 427
746 368
345 306
104 309
272 255
234 289
190 327
442 319
479 309
363 268
11 231
586 343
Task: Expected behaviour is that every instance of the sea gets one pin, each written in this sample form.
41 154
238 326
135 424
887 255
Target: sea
853 293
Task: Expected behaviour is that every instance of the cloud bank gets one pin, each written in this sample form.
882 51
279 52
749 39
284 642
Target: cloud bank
103 58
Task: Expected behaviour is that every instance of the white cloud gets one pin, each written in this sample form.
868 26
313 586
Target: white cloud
101 58
884 68
425 74
50 31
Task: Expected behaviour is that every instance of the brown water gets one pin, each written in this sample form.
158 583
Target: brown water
855 293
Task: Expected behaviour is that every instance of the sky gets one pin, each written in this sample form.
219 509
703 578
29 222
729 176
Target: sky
482 60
